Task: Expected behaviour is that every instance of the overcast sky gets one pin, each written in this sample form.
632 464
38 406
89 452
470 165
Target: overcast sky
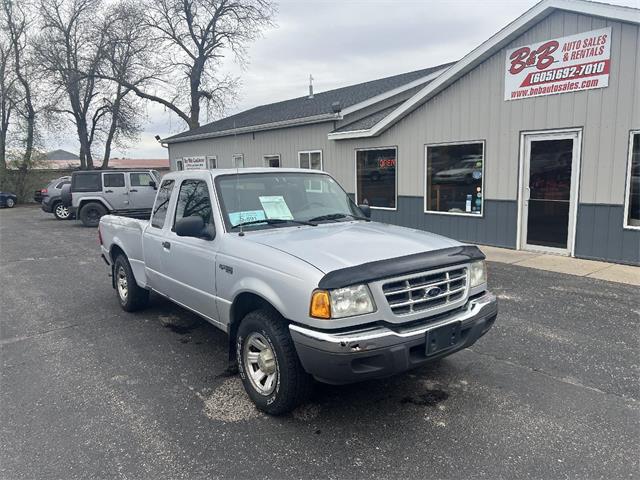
342 42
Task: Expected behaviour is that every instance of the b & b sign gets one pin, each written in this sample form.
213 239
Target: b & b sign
566 64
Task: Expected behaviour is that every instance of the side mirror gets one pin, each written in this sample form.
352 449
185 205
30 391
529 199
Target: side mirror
153 184
193 226
366 210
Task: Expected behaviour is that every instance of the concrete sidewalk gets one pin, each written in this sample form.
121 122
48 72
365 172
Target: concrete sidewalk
611 272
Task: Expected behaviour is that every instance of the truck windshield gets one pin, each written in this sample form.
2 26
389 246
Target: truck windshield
290 199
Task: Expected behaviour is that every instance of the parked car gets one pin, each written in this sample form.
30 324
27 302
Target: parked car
8 200
304 284
93 194
51 198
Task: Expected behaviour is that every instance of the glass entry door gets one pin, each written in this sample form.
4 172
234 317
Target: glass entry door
549 191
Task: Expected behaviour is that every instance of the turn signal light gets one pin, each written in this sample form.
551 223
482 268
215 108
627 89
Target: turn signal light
320 304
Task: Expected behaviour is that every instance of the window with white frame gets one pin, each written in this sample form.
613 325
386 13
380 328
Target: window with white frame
238 160
179 165
632 197
212 162
311 159
454 178
271 160
376 183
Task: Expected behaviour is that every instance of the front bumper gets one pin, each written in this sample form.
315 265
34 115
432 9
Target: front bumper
381 351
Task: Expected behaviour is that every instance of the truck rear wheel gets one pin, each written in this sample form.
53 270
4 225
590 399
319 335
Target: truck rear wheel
130 295
90 214
269 365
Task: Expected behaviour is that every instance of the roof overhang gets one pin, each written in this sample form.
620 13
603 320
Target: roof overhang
488 48
314 119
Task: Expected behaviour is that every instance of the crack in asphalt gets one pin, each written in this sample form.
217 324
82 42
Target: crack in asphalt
565 380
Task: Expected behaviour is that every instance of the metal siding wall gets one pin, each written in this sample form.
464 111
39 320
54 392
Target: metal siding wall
498 227
600 237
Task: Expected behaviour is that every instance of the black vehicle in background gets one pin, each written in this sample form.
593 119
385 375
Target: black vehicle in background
8 200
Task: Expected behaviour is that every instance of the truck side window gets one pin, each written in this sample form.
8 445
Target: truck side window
194 200
113 180
161 204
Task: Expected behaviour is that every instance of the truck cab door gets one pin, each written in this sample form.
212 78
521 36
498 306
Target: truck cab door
115 190
141 190
189 263
154 236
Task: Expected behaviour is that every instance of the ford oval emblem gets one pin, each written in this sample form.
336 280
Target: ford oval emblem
433 292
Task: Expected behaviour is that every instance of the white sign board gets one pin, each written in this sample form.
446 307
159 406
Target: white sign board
193 163
561 65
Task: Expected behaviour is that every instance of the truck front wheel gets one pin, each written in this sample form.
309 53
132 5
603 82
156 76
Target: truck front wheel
130 295
268 363
91 213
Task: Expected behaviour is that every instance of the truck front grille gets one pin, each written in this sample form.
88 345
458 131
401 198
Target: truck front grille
426 291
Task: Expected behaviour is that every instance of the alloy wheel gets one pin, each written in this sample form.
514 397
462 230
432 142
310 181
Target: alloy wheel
260 364
122 284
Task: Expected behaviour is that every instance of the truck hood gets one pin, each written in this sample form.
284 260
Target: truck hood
332 246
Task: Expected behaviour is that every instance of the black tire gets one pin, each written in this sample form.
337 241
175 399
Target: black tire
60 211
134 297
10 202
91 212
292 384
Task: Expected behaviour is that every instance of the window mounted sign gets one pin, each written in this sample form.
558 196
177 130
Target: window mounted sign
566 64
193 163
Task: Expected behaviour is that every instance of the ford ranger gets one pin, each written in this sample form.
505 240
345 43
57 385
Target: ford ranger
303 282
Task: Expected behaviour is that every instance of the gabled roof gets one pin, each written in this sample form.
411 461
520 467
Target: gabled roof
303 110
488 48
61 155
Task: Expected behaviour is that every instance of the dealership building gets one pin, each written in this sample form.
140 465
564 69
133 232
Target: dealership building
531 141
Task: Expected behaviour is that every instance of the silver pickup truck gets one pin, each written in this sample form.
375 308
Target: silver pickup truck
303 282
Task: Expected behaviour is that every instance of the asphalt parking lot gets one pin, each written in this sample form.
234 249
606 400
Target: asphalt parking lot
87 390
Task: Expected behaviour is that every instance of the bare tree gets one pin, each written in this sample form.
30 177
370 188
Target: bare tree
193 36
76 45
7 95
21 99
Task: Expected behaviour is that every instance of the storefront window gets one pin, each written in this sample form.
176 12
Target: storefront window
376 177
454 178
633 183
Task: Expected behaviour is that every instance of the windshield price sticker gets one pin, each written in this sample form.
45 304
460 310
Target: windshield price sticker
275 207
565 64
237 218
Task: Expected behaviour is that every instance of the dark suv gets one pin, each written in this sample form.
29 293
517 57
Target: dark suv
51 198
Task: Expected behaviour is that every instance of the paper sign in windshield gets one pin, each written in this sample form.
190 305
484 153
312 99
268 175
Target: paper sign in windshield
237 218
275 207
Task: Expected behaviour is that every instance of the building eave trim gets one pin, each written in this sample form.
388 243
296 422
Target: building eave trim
325 117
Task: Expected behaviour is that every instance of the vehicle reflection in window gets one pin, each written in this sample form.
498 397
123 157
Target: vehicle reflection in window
454 179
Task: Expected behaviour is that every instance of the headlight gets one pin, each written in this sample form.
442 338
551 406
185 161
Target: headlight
342 302
478 273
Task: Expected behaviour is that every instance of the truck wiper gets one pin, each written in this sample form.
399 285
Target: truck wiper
337 216
274 221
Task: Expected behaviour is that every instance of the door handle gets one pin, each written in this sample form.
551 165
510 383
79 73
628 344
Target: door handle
166 245
108 191
132 190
